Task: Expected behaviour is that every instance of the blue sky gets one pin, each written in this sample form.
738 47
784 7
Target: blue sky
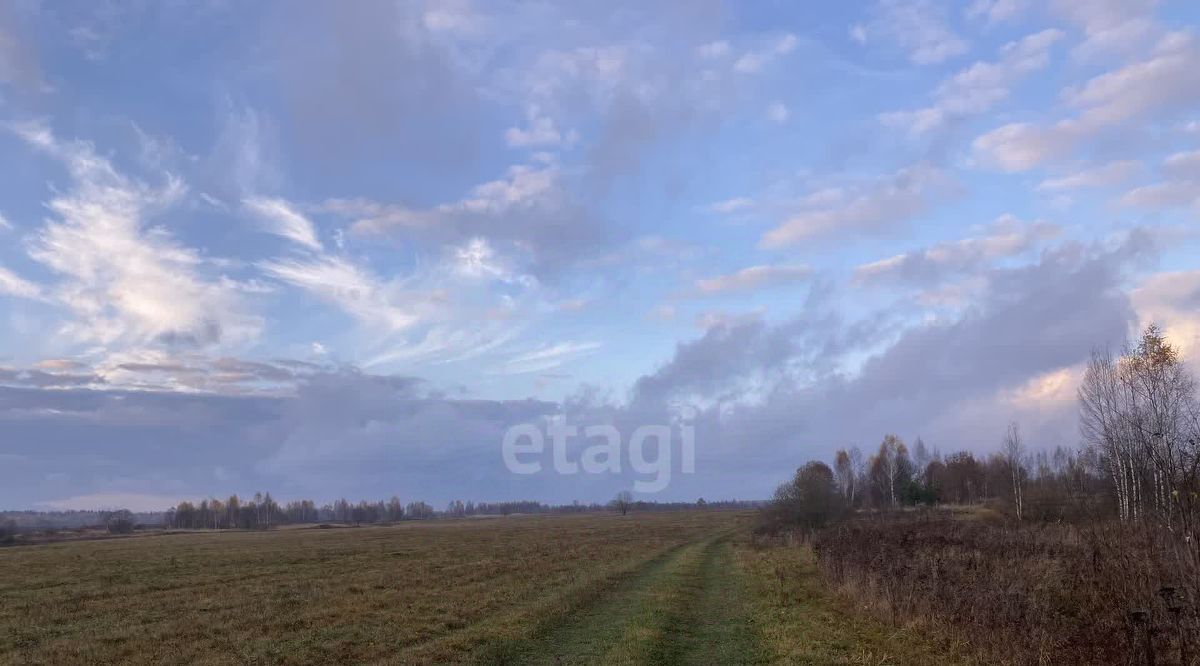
339 248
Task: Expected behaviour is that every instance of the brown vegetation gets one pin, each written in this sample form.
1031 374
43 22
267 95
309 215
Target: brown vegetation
420 592
1092 558
1024 593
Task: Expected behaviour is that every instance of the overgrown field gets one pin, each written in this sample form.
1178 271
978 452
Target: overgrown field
656 588
1050 593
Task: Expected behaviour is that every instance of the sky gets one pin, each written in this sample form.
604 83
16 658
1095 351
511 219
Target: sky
341 249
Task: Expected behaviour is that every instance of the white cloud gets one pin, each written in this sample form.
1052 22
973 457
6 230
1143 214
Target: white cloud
1167 80
541 131
1005 237
1161 84
981 86
997 11
548 357
285 221
753 278
868 209
754 61
778 112
858 33
715 50
1023 146
477 259
339 282
126 282
1172 300
734 205
1183 165
1110 26
5 225
1180 188
12 284
453 16
1171 194
524 186
1105 175
115 500
919 27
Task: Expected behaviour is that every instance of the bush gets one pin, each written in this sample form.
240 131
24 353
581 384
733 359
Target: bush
1060 594
8 533
120 522
810 500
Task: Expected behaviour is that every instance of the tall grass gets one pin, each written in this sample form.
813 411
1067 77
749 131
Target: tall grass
1088 593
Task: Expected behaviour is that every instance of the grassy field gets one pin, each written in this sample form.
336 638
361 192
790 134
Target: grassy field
663 588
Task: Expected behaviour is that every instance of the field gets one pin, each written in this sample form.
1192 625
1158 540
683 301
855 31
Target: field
657 588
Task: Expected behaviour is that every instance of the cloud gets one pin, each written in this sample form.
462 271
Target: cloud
341 283
542 131
753 61
1022 146
754 277
1183 165
981 86
1110 26
928 266
1172 300
1171 194
778 112
715 50
12 284
1165 81
1105 175
5 225
870 209
1180 186
729 206
786 391
548 357
109 501
919 27
997 11
285 221
1161 85
530 210
126 282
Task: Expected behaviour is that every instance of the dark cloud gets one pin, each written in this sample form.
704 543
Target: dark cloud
771 401
768 395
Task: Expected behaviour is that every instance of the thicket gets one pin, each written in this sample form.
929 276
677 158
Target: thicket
1081 556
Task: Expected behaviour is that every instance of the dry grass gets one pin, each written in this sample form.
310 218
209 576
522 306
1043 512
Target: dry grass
1022 593
414 593
801 621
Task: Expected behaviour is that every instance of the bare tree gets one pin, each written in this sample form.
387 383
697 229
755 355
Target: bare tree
1014 454
843 473
1139 413
889 468
623 502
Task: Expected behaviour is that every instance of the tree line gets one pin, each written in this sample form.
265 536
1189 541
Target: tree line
1138 461
264 512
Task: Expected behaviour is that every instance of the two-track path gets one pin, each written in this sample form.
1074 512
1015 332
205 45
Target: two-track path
685 607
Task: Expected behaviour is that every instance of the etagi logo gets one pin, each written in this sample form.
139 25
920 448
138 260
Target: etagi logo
525 445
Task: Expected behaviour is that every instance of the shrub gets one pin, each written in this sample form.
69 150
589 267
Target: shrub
8 533
120 522
810 500
1059 593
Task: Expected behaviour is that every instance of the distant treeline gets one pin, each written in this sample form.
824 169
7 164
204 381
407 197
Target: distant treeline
263 512
26 521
